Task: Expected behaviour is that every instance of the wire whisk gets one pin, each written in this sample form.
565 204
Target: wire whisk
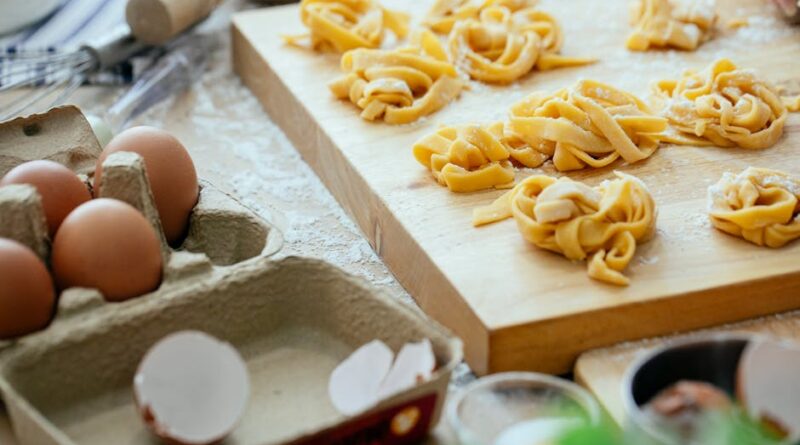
47 78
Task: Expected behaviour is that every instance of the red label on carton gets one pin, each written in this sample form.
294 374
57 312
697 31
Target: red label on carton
405 424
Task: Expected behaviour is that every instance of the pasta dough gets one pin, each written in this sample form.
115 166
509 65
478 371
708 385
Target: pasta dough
467 158
600 224
759 205
591 124
342 25
670 23
723 106
401 85
501 46
445 13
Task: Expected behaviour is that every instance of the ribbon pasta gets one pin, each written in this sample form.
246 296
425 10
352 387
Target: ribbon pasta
501 45
401 85
342 25
760 205
445 13
670 23
600 224
470 157
723 106
591 124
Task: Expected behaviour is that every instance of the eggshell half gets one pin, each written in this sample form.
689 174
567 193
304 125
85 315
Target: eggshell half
768 385
354 384
191 388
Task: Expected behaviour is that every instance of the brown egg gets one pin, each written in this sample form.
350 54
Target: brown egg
27 298
170 170
107 245
61 189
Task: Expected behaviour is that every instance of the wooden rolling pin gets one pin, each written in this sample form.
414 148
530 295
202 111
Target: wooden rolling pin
157 21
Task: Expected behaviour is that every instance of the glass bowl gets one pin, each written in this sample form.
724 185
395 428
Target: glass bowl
504 409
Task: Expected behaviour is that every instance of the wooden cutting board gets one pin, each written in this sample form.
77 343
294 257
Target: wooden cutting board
515 306
603 371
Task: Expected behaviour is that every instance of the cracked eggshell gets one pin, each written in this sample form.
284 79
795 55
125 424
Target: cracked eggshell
372 374
768 385
355 383
191 389
414 364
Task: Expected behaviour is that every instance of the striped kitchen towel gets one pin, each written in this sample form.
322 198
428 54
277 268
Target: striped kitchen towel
72 24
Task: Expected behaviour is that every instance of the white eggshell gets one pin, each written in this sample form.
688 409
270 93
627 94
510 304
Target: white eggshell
414 364
354 384
192 388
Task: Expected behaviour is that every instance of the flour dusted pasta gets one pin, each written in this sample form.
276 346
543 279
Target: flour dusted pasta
467 158
600 224
502 45
399 86
445 13
722 105
591 124
342 25
759 205
682 24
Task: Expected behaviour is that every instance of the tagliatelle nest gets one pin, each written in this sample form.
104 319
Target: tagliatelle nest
760 205
600 224
682 24
399 85
502 45
445 13
723 106
342 25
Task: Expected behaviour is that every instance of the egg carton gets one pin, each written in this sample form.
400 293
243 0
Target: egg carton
222 232
293 320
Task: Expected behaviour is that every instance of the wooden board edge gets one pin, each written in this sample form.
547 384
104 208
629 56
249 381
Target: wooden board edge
412 267
636 321
580 374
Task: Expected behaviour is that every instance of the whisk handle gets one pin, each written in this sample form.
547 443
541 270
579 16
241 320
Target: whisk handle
114 47
157 21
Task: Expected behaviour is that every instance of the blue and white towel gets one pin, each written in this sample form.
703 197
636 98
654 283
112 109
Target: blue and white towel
72 24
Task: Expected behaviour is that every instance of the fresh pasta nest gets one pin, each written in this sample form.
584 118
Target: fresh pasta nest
681 24
400 85
600 224
342 25
445 13
591 124
467 158
723 106
502 45
760 205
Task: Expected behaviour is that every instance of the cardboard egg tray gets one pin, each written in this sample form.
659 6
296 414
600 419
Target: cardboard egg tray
293 320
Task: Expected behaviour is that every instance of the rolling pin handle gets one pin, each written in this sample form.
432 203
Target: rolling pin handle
155 22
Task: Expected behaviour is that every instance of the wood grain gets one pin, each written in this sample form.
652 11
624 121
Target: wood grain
603 371
515 306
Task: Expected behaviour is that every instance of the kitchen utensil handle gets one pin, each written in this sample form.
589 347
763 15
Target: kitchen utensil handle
156 21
